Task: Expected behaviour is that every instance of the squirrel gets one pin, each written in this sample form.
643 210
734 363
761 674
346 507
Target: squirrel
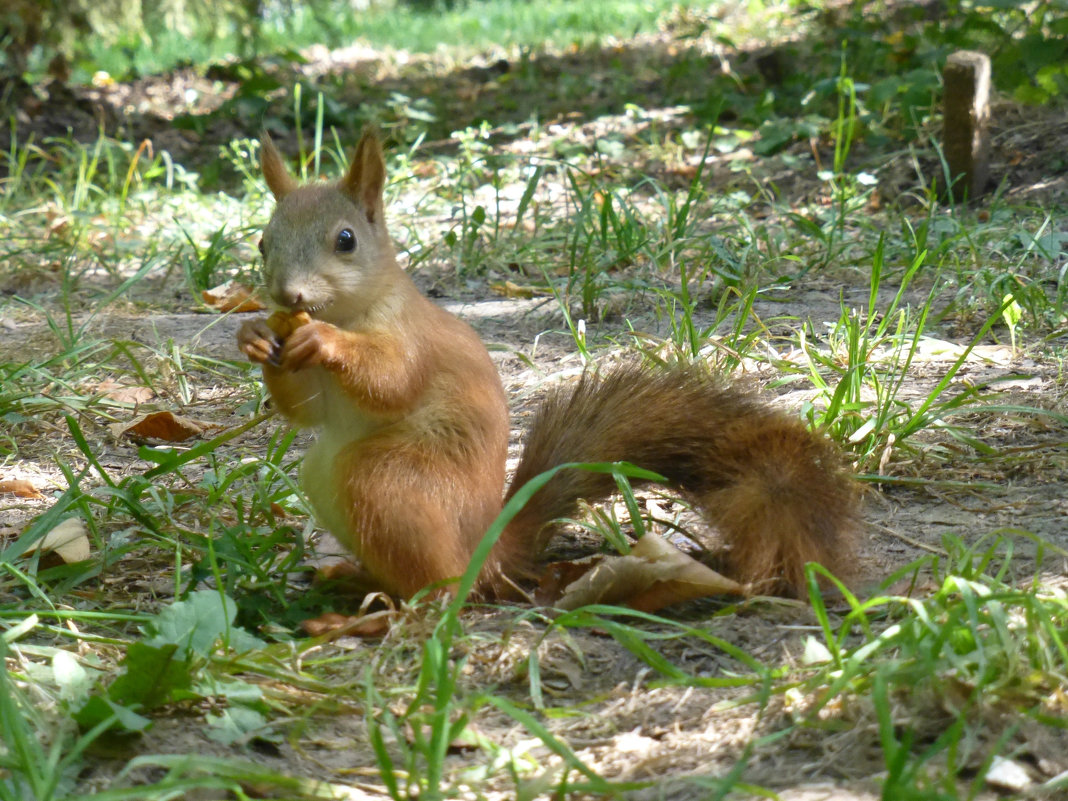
409 465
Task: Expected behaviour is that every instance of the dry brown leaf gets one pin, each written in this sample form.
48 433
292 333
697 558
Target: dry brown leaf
163 426
325 623
20 487
57 224
68 541
558 575
469 739
425 169
232 297
124 393
512 290
334 625
655 574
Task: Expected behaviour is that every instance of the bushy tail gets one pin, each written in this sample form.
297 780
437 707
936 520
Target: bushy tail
776 492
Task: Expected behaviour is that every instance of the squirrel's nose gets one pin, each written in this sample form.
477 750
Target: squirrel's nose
290 297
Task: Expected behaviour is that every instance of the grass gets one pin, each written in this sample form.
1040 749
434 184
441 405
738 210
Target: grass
416 26
663 239
981 641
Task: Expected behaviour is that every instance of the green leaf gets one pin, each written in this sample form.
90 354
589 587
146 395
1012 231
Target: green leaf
199 622
99 709
1011 311
73 680
237 724
152 677
234 691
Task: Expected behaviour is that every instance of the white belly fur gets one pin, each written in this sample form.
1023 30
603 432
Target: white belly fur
319 475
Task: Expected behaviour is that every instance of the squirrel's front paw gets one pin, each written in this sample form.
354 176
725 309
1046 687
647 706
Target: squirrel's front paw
258 342
309 345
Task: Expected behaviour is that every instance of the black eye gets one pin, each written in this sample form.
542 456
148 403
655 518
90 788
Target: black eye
346 241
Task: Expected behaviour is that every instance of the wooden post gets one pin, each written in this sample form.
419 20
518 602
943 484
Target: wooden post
966 112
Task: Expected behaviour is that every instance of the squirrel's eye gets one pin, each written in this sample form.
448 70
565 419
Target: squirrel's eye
259 244
346 241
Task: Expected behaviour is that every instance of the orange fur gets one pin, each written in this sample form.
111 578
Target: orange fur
408 469
777 493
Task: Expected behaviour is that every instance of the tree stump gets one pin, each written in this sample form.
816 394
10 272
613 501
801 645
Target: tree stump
966 112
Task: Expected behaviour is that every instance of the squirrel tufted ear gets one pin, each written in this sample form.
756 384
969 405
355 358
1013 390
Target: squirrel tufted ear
366 176
279 181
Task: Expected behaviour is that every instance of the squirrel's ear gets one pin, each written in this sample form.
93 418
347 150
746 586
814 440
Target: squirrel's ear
366 176
279 181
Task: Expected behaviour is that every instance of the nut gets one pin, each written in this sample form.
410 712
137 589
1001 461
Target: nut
284 323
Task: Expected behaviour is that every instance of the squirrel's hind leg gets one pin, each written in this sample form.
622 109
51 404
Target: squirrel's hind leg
405 512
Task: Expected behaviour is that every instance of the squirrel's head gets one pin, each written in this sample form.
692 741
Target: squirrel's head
326 249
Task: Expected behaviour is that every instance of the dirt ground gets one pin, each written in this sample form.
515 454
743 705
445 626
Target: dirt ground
631 728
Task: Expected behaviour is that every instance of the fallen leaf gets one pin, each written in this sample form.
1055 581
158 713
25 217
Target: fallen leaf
425 169
124 393
653 575
815 653
20 487
558 575
687 172
511 290
68 541
164 426
334 625
470 738
634 742
57 224
232 297
1005 774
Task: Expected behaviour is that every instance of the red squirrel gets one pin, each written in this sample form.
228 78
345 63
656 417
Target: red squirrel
409 465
